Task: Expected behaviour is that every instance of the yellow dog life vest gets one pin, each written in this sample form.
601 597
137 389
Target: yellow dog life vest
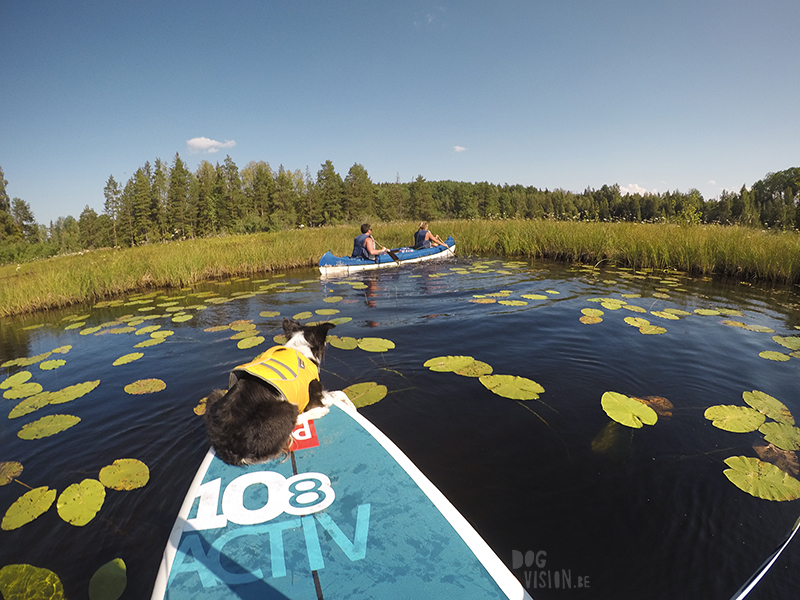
285 369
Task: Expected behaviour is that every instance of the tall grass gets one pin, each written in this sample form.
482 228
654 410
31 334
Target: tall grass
703 250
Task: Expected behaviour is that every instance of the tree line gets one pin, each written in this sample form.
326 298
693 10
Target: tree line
163 202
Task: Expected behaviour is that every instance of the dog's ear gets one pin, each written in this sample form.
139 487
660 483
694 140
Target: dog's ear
290 326
320 332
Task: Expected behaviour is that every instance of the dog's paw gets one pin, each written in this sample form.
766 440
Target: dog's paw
315 413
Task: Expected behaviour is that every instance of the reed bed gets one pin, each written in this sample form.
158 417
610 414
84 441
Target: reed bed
701 250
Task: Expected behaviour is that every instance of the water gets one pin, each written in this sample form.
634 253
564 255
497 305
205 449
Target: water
653 517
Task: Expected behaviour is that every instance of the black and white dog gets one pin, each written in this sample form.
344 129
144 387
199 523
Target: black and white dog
253 421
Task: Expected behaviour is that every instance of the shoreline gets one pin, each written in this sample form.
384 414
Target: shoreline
730 252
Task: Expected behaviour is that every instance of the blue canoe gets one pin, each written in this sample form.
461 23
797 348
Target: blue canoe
342 265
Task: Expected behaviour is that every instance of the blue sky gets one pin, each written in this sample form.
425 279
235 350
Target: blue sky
650 94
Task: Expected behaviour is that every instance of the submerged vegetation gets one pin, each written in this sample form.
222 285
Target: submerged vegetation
707 250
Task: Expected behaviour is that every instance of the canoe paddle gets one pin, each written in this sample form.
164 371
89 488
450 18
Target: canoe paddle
389 252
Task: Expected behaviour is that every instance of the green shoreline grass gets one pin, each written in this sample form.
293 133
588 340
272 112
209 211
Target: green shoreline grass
734 252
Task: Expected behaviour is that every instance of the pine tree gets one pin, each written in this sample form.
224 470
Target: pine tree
178 200
113 204
358 194
329 187
158 202
8 228
24 220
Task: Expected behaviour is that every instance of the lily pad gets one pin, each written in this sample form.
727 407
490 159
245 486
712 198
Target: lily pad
332 299
592 312
27 582
245 334
80 502
738 419
327 311
125 474
633 308
50 365
759 328
627 411
512 302
587 320
150 342
109 581
662 406
790 342
637 322
147 329
370 344
677 311
783 435
128 358
483 300
652 330
769 406
341 320
23 390
708 312
27 362
476 368
303 315
785 460
15 379
512 386
9 471
775 356
280 339
30 404
250 342
664 315
364 394
444 364
73 392
267 314
47 426
343 343
200 409
612 305
761 479
28 507
145 386
217 328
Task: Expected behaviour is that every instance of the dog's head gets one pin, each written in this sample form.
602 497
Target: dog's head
308 340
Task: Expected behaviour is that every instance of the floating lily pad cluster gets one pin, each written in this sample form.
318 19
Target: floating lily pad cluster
592 316
80 502
769 476
27 581
507 386
505 298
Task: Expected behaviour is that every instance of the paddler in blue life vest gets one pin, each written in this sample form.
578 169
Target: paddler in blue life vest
364 245
424 238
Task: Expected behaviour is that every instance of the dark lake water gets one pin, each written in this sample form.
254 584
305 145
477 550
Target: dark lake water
650 515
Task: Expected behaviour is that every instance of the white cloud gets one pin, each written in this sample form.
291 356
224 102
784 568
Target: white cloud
459 148
712 182
633 188
203 144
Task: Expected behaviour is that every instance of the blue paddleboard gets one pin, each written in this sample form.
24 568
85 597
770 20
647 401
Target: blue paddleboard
347 516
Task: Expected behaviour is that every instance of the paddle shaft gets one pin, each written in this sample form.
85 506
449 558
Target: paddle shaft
389 252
